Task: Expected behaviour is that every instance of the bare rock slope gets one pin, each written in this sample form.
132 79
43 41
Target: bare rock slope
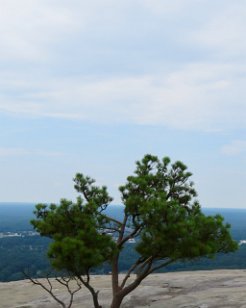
199 289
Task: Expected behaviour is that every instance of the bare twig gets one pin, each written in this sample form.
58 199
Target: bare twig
64 281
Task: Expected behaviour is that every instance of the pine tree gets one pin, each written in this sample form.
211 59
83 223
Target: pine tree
160 211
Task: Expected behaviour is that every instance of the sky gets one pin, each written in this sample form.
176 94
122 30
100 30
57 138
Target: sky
92 86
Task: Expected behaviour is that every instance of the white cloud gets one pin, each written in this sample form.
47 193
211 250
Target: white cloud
236 147
176 92
198 96
222 30
165 7
29 27
11 151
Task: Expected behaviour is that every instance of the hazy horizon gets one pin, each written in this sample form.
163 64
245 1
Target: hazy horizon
111 204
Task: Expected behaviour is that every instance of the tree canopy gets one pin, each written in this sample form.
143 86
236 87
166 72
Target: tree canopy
161 213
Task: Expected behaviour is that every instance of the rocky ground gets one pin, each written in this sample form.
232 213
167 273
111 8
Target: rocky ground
199 289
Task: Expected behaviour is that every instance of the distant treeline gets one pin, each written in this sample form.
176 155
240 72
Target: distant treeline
29 253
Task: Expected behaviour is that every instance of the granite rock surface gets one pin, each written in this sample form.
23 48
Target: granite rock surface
198 289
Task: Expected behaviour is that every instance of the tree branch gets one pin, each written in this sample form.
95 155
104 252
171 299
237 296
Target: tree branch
161 265
91 289
113 220
139 277
131 269
122 229
132 234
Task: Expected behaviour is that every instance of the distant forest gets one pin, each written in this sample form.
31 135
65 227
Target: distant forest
28 252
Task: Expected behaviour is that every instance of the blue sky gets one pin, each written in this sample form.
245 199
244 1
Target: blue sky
93 86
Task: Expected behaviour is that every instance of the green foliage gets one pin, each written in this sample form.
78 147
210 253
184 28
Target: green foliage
78 245
159 200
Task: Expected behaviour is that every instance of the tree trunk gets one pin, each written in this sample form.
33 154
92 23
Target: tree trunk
116 302
116 290
119 296
115 275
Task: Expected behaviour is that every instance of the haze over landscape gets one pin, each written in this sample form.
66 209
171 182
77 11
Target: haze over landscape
92 86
